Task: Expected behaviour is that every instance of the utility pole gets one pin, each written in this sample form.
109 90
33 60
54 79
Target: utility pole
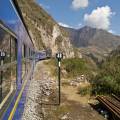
59 56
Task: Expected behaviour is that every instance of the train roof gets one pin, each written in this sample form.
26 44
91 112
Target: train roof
17 8
7 29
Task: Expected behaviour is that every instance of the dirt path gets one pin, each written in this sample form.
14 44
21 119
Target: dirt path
42 98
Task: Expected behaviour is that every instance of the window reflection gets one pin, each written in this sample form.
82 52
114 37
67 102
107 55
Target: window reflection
8 46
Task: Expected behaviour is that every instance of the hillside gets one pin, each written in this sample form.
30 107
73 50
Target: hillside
91 40
45 32
108 79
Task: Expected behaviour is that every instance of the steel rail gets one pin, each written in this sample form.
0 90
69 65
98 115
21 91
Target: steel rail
109 105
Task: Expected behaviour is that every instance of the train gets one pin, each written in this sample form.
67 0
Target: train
43 54
17 61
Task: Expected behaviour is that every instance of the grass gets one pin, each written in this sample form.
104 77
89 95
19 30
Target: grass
76 67
86 90
71 68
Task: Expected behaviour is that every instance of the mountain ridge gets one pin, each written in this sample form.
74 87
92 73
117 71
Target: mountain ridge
92 40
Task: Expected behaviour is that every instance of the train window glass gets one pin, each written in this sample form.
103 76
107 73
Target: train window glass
8 74
13 49
6 82
14 64
29 52
23 61
5 45
25 51
27 60
22 51
5 75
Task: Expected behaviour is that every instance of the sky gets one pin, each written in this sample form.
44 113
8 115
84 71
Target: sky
7 13
102 14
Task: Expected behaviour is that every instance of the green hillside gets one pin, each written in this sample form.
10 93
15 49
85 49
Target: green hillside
108 79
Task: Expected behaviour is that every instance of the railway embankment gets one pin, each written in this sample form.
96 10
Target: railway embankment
42 99
41 86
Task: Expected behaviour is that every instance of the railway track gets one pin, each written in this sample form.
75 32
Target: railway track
117 98
112 104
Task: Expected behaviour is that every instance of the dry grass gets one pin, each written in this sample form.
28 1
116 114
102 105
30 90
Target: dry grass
71 94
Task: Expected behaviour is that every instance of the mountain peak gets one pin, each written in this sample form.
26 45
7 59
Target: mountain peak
94 40
88 28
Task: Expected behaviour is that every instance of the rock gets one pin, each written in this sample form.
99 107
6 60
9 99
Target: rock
74 83
64 117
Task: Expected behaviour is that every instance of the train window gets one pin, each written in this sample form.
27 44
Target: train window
4 78
25 51
13 59
7 69
23 60
29 52
5 45
13 49
28 60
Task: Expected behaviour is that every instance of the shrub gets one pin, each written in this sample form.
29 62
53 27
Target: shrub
108 79
75 67
84 90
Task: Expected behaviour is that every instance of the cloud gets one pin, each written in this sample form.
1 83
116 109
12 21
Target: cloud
99 18
111 31
76 4
44 6
64 25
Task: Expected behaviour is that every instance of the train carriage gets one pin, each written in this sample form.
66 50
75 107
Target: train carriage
15 65
17 60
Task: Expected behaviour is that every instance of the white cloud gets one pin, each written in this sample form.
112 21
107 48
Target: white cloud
99 18
111 31
64 25
44 6
76 4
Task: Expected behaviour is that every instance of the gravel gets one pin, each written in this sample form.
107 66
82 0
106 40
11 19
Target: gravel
39 91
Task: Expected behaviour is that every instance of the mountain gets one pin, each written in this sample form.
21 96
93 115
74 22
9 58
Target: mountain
93 41
44 30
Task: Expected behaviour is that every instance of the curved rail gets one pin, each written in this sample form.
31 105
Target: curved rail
110 105
117 98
